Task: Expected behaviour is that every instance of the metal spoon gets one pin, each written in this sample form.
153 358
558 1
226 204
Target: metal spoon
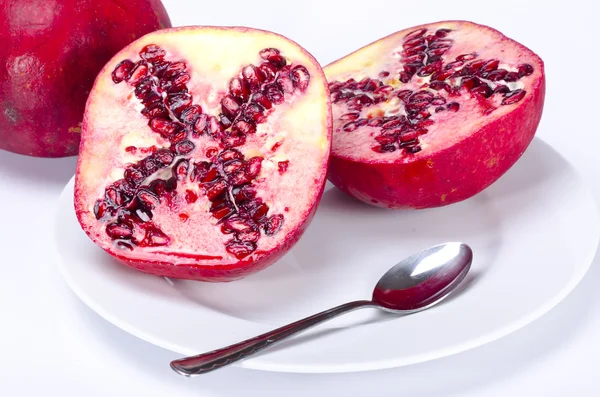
414 284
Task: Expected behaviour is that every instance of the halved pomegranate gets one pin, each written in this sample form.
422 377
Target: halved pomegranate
204 152
432 115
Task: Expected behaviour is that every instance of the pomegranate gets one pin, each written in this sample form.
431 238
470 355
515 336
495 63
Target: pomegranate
432 115
51 52
204 152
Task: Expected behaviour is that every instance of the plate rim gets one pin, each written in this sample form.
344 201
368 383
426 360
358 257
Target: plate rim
473 343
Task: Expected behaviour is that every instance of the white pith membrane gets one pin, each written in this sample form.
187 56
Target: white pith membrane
298 128
448 127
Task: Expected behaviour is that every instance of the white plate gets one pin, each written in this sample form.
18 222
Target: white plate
534 234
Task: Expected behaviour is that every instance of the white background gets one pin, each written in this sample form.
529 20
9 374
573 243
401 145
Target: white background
51 344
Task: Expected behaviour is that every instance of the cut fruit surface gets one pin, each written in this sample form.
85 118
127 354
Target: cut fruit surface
195 142
432 115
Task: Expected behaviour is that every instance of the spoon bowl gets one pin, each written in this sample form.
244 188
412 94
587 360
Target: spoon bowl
414 284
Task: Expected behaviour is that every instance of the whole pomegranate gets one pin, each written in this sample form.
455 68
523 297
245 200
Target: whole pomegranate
432 115
51 52
204 152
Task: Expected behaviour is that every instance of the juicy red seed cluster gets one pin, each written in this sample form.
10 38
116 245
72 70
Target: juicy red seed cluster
253 93
422 56
226 180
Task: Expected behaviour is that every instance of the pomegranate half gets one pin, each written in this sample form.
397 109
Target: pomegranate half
51 52
432 115
204 152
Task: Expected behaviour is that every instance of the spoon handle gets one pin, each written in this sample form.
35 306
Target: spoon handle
206 362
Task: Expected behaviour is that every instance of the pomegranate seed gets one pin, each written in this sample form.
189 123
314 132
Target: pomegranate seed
300 77
386 139
181 169
178 102
240 249
416 33
273 224
513 97
184 147
237 224
417 41
442 32
268 52
159 186
155 238
101 208
230 106
438 101
174 69
191 196
375 122
414 50
243 193
253 167
248 236
278 61
254 112
350 116
483 90
262 100
164 157
230 154
155 110
363 100
200 125
233 166
239 178
391 124
191 114
440 44
251 75
268 72
234 139
149 165
273 94
438 85
351 126
244 127
200 170
152 52
213 126
502 89
178 137
159 67
525 70
139 72
490 65
239 89
180 80
184 217
470 82
221 211
285 83
496 75
259 213
148 199
413 67
454 65
440 109
118 231
384 148
404 94
225 121
453 106
216 190
134 176
442 75
429 69
211 175
511 77
413 149
122 71
466 57
282 166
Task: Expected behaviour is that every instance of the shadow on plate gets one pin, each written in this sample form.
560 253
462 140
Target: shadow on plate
56 171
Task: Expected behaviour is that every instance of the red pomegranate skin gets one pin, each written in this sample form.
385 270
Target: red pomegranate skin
51 52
